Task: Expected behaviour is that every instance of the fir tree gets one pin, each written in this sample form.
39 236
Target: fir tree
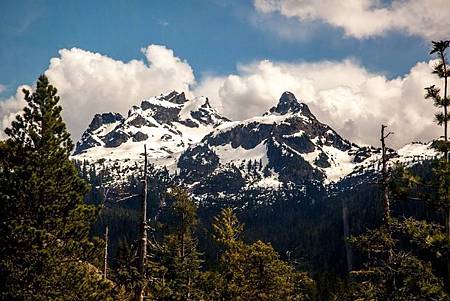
391 271
441 169
398 254
44 234
125 272
254 272
441 100
175 265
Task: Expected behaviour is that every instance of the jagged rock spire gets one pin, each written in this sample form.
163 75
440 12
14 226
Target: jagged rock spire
289 103
104 118
175 97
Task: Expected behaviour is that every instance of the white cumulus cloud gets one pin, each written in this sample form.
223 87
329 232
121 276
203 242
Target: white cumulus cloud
368 18
343 94
90 83
10 107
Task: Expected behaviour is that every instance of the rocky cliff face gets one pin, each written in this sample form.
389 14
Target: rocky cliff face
287 145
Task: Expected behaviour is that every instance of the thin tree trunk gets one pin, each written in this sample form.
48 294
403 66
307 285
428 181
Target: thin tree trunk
445 104
385 176
143 231
182 236
105 258
447 210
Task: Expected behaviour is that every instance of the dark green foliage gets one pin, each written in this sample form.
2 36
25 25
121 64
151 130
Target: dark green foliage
44 234
125 272
174 268
440 100
391 271
254 272
404 257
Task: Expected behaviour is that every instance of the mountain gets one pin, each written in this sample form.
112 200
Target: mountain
285 146
168 124
287 175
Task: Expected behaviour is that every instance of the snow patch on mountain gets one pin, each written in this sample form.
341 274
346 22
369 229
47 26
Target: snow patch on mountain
227 154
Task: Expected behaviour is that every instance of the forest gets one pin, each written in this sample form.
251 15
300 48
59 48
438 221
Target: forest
59 240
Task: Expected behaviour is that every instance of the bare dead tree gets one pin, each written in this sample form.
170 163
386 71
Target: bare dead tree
143 233
105 258
385 176
104 192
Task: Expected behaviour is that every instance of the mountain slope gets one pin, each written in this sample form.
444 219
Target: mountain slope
288 175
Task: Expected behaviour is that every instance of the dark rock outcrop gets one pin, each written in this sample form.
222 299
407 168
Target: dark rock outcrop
115 138
139 136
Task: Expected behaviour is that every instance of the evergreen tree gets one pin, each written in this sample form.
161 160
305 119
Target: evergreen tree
441 101
44 234
392 271
254 272
398 254
441 169
175 265
125 272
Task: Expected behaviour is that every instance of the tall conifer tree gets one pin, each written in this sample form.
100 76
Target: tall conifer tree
254 272
44 238
442 167
175 269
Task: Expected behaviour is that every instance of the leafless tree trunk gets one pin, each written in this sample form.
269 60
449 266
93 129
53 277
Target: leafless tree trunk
143 231
385 176
105 258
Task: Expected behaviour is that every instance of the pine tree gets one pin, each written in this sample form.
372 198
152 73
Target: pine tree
441 169
442 102
175 265
125 272
397 254
44 234
254 272
391 271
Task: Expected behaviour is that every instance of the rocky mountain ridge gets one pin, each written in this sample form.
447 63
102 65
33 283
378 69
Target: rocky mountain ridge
167 124
286 146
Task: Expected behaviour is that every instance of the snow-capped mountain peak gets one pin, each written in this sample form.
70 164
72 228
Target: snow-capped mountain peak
168 124
287 145
288 103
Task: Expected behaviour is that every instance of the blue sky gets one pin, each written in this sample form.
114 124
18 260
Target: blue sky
357 63
213 36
